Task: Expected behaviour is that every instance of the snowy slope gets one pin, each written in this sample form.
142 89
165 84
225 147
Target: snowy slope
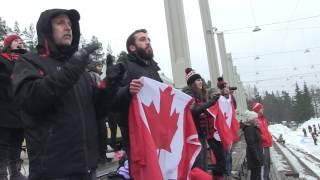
302 146
296 138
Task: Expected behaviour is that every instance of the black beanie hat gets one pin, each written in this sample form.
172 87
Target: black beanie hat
191 76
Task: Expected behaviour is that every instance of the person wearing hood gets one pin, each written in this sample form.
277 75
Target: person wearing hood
61 105
266 138
254 149
11 126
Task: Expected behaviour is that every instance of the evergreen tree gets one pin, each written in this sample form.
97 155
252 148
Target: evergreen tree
307 103
298 114
316 100
30 38
4 30
98 55
286 106
83 41
268 103
16 28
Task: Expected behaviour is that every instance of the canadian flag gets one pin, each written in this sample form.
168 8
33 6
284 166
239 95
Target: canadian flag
163 139
225 122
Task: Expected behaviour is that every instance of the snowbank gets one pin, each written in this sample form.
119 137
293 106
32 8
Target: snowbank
295 138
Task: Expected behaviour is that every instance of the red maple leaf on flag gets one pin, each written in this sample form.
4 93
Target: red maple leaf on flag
162 125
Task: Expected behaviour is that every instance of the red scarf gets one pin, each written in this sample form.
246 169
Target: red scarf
12 57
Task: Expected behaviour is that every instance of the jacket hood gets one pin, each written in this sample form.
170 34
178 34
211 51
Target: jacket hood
46 46
187 90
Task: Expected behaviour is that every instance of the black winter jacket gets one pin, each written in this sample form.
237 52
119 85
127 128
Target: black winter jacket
9 110
61 105
134 68
199 112
254 146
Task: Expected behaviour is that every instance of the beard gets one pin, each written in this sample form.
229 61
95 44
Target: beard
146 54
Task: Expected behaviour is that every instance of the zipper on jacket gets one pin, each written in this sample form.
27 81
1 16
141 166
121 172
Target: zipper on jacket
84 132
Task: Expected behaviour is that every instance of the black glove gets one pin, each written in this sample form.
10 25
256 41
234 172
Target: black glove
82 55
215 97
115 73
110 60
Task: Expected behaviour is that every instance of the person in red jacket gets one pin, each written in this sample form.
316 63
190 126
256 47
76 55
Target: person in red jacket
265 137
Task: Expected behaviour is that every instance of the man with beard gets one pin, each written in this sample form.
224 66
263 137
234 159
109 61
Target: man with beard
11 126
137 63
61 104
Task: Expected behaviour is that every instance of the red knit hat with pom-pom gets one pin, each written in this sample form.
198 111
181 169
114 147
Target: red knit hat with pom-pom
191 76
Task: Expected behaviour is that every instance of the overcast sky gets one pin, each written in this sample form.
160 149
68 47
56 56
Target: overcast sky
281 46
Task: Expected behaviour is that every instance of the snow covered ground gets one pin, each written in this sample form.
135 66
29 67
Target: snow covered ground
296 138
300 145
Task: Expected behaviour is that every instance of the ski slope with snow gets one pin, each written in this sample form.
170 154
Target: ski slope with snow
303 147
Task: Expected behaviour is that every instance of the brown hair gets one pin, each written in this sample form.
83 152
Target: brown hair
131 39
199 93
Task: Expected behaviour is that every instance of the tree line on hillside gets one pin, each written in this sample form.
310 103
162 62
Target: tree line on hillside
280 106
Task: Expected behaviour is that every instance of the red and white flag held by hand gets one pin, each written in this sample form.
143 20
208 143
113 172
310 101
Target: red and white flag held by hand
163 139
225 121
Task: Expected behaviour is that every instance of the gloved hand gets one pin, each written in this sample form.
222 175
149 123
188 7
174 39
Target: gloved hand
82 55
114 73
109 60
215 97
213 100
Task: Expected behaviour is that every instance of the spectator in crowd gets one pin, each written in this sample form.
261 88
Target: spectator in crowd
310 129
304 132
137 63
61 106
254 151
228 106
202 119
11 126
265 137
315 129
281 140
314 137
